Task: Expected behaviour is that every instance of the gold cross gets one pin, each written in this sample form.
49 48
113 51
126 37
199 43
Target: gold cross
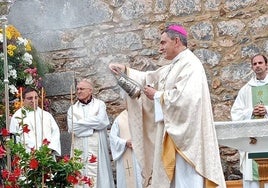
128 167
260 94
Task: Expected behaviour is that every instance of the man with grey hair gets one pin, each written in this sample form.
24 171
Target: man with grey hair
171 123
88 122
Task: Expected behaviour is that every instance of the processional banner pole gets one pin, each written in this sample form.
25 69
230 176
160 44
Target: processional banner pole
6 81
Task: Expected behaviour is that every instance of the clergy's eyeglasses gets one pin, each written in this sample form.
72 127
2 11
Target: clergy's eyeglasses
82 89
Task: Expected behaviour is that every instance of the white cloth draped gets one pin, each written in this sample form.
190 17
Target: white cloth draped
89 124
236 134
48 129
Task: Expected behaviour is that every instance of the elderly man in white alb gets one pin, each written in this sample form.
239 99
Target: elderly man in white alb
41 124
252 103
88 121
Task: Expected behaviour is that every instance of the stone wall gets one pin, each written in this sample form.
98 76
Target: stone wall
80 38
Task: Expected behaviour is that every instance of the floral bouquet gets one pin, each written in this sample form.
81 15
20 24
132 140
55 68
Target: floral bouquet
39 168
23 63
25 68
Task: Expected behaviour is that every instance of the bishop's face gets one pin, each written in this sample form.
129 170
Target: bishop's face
31 100
168 47
83 91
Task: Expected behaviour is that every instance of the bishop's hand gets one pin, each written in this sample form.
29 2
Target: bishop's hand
117 68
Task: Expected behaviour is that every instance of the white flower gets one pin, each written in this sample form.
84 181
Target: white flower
22 41
13 89
22 178
12 72
1 37
28 58
29 79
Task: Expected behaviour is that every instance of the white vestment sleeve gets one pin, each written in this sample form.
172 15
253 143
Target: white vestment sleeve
157 107
118 145
242 108
55 136
266 115
14 127
85 126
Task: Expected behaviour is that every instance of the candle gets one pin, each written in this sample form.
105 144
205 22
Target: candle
72 143
42 115
21 105
35 126
21 100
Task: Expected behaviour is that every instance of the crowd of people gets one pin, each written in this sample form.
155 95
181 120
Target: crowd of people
164 138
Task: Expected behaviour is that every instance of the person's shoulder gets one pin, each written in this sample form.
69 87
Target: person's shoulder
74 104
16 113
45 112
190 58
98 101
245 87
123 113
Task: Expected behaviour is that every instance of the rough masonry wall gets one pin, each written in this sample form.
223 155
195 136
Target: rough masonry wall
80 38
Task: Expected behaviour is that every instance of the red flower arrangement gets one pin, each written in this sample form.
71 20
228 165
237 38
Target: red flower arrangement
39 168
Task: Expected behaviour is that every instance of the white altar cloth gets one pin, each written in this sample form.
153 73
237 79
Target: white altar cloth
236 134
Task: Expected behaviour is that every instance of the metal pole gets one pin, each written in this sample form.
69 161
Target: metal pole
6 82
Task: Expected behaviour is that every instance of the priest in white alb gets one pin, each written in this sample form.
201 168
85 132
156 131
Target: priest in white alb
88 122
252 103
38 124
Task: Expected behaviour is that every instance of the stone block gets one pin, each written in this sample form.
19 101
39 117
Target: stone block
59 83
66 141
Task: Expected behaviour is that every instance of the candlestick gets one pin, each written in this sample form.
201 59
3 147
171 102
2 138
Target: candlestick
35 126
6 81
72 143
42 115
21 106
